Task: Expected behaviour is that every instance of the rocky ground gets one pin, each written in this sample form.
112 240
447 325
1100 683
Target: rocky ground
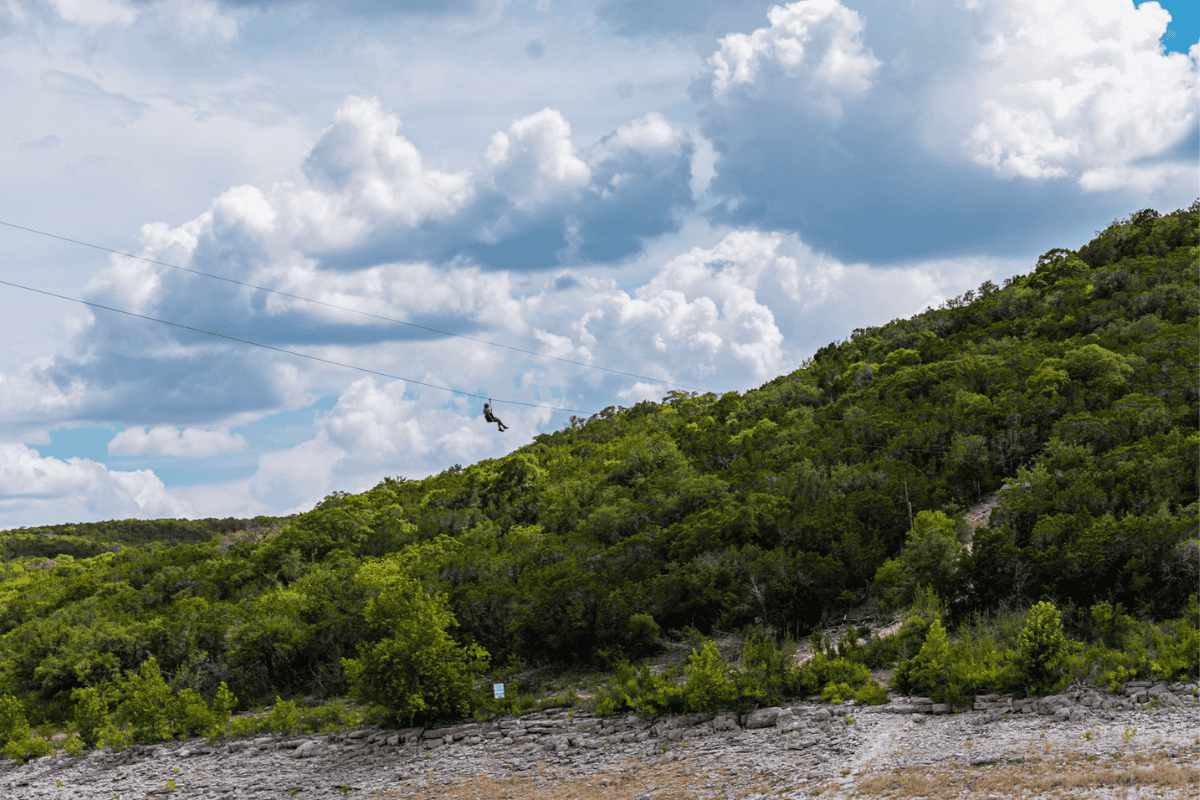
1082 744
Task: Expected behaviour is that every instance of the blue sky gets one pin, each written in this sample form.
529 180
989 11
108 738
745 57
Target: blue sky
696 193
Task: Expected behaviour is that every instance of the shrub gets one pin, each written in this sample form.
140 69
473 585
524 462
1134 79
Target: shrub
91 714
331 717
147 704
642 692
871 694
28 747
928 672
881 652
415 670
837 692
117 738
284 718
620 693
1176 648
1042 648
707 687
13 724
1110 625
821 670
764 671
222 711
931 558
73 745
641 634
190 714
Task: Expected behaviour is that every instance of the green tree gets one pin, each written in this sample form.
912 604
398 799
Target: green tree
931 558
1042 648
708 685
928 672
412 668
146 702
91 714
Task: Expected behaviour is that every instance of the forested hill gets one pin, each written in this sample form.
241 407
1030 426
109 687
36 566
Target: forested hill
1076 385
86 539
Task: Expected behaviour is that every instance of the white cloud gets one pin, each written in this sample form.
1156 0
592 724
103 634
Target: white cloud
1083 89
54 491
166 440
816 44
534 162
96 13
369 173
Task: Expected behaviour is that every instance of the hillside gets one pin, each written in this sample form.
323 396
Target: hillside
1071 391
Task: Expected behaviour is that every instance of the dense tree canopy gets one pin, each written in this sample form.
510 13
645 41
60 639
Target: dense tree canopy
1073 388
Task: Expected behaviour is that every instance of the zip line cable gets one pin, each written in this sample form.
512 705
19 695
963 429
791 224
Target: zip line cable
364 369
342 308
282 350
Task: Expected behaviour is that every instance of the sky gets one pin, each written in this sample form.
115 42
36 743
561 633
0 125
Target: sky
561 205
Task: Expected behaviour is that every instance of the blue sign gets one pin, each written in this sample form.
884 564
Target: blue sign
498 690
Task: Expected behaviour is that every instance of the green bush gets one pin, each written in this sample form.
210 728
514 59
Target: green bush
837 693
1176 646
91 714
222 710
191 714
73 745
708 685
881 652
620 693
118 738
1110 625
414 669
977 666
642 692
928 672
1042 648
822 670
28 747
764 674
146 703
284 717
641 634
931 557
871 694
330 717
13 724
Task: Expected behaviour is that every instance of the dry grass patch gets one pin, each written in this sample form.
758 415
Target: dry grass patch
1067 775
671 781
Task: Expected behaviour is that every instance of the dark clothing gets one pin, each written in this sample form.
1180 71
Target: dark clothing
487 414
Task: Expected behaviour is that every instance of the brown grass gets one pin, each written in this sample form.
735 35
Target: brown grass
666 782
1065 775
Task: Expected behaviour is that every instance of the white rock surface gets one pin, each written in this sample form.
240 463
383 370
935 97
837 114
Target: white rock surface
802 746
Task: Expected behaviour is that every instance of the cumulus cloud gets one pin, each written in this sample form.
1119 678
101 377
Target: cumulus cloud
342 238
941 128
748 309
96 13
165 440
373 430
815 45
55 491
534 162
1082 91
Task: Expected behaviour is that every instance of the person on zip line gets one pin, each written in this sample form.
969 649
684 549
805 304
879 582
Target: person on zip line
487 414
